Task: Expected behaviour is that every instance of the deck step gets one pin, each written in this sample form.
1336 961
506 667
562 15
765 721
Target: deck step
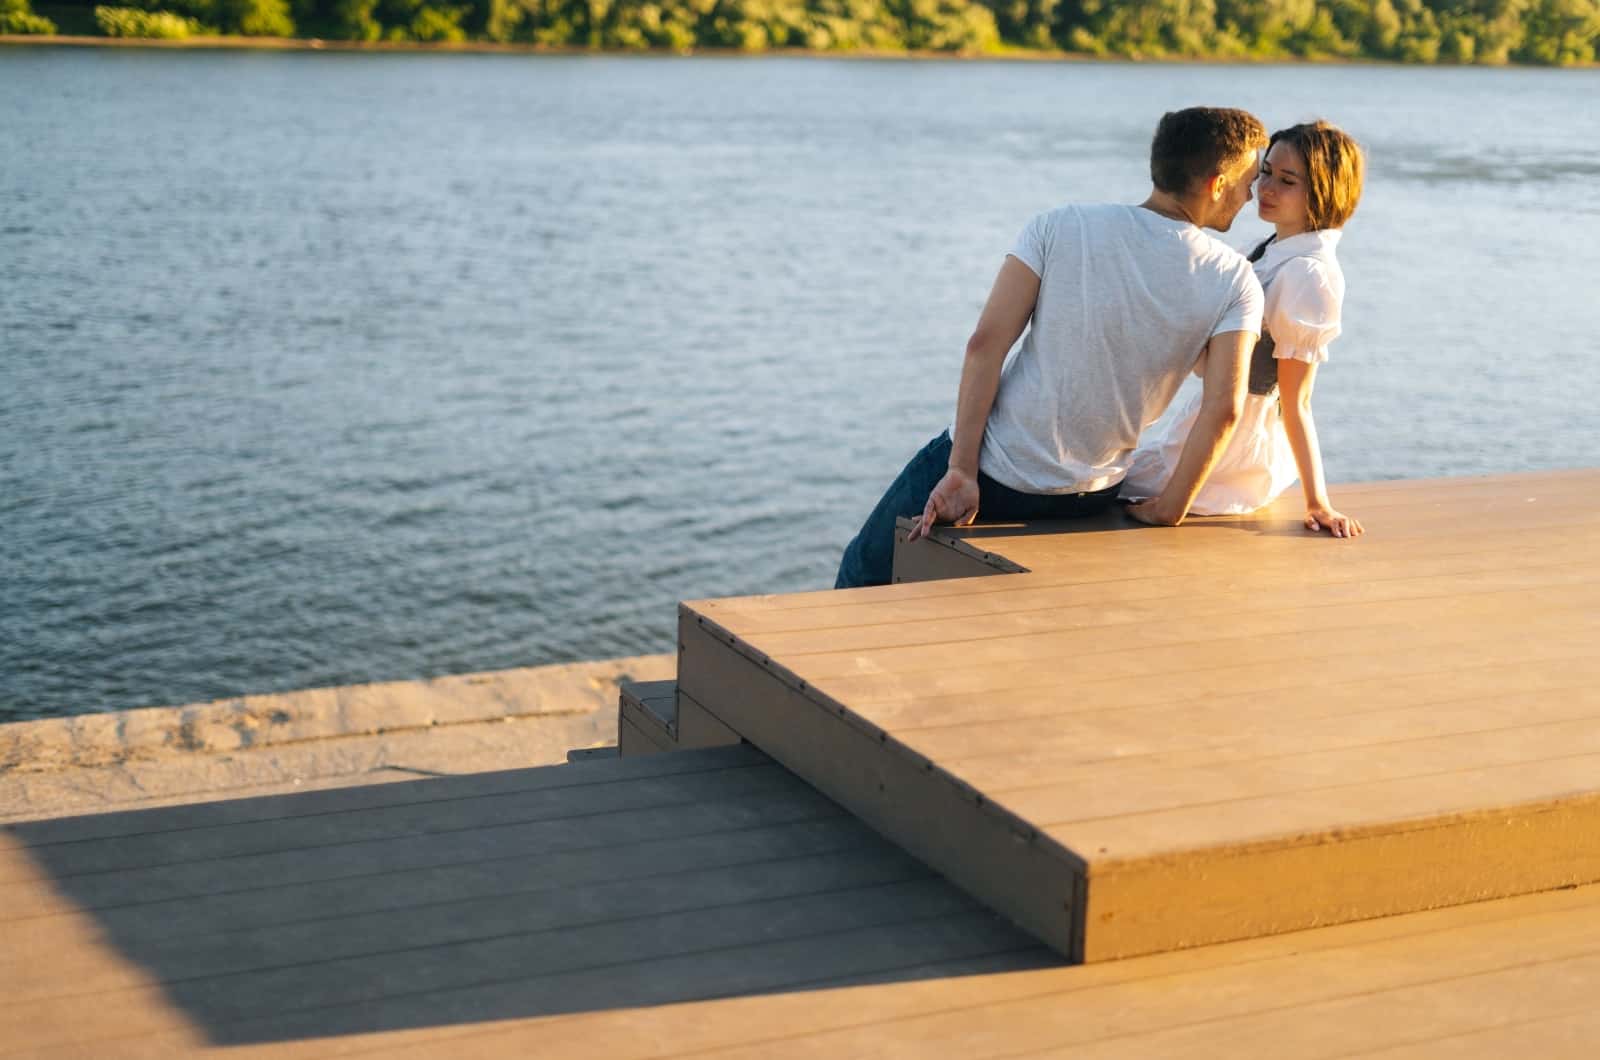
654 716
1157 738
412 908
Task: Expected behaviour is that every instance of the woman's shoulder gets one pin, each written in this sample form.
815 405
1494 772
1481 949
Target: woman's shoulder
1309 273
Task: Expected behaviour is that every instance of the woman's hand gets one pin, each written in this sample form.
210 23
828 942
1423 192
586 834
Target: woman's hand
1155 513
1336 522
953 500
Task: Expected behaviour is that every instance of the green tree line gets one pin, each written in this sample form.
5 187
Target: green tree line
1549 32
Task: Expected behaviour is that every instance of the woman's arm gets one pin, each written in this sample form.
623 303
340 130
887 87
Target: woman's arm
1294 387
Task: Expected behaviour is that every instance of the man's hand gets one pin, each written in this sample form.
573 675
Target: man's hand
1339 524
1155 513
953 500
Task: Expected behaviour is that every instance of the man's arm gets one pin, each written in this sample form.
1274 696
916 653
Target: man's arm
1226 377
1010 305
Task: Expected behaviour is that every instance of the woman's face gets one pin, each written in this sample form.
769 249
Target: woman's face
1281 190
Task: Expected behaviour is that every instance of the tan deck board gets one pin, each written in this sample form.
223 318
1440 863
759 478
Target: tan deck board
1076 750
1187 823
1443 976
1003 596
327 835
1437 670
1045 637
1438 508
957 696
432 791
1115 611
1363 647
639 911
1111 785
24 896
1571 1035
1428 977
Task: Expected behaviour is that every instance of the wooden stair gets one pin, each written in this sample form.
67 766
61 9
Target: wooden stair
1160 738
652 716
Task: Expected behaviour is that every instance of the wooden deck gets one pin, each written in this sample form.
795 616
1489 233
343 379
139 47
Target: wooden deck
1157 738
311 923
688 904
1146 740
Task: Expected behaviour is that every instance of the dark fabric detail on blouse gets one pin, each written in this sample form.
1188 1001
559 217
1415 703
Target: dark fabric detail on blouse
1263 366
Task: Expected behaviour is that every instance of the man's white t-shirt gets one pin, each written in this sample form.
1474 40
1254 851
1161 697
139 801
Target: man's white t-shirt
1128 300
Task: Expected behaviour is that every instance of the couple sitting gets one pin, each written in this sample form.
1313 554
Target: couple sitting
1124 302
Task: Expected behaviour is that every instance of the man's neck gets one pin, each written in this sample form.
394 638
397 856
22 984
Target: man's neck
1168 205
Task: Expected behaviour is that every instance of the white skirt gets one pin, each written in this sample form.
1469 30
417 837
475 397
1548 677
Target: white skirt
1254 468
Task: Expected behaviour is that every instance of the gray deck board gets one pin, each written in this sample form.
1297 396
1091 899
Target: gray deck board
423 818
400 794
782 802
733 878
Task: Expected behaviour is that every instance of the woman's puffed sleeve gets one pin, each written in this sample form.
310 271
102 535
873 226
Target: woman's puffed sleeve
1303 309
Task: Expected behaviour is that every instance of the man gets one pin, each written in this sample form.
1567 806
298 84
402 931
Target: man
1124 302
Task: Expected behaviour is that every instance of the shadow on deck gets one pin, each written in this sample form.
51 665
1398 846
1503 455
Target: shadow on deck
601 885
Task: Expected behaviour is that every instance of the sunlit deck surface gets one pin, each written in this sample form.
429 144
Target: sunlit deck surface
1158 738
1242 728
685 904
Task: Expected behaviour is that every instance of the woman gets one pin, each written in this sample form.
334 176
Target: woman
1309 185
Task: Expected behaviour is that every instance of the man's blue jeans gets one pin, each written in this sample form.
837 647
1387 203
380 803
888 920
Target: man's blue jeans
869 558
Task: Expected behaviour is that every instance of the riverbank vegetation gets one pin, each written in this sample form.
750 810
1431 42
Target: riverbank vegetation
1546 32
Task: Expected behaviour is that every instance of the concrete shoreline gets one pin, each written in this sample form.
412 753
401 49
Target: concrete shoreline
316 738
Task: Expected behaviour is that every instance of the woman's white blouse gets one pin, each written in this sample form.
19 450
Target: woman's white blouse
1304 296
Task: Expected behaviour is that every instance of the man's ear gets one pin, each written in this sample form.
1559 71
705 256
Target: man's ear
1217 186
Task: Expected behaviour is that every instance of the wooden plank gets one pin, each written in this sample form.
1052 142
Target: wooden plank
1137 1001
341 829
337 994
1217 894
633 741
1033 591
977 1015
650 705
1106 688
1265 721
1081 638
323 958
1049 611
1312 558
348 800
1336 1027
938 822
1346 811
701 728
1096 562
1242 1012
1569 1035
733 807
975 694
1068 781
273 903
937 558
1067 661
464 927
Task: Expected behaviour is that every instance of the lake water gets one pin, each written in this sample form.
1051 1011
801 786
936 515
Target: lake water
319 369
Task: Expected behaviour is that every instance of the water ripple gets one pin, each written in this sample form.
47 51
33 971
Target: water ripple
315 396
